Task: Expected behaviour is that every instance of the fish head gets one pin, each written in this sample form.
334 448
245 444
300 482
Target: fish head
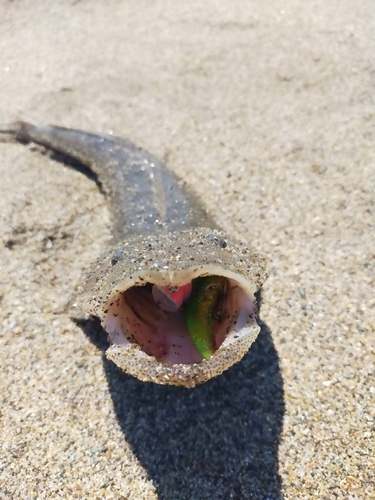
211 278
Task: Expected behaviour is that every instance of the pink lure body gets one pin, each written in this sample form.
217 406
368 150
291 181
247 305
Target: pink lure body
171 298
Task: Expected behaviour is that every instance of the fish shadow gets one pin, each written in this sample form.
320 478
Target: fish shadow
217 441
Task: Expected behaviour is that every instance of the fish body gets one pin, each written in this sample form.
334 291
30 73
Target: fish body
162 238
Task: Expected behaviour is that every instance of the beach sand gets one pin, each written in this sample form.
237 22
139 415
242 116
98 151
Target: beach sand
267 110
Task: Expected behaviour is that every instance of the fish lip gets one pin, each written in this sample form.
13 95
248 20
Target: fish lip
137 363
166 278
162 255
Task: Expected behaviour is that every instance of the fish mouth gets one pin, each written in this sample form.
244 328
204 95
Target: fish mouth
158 337
212 308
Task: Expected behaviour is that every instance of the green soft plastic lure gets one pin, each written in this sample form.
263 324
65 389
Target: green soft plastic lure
201 310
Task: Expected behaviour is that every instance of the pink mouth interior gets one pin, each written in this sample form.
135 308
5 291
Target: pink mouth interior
134 317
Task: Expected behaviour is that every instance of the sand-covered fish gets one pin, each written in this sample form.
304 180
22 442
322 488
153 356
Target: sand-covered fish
176 294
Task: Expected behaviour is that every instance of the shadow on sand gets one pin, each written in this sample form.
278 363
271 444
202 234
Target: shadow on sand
216 441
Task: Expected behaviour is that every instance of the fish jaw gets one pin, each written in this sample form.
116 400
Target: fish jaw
134 361
174 260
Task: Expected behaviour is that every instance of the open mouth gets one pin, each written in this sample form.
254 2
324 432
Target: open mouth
179 324
179 307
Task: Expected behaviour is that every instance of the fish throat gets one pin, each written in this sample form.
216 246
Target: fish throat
179 324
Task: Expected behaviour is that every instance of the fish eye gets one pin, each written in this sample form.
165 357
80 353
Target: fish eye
218 314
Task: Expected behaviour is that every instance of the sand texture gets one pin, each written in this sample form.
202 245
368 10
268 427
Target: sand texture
267 110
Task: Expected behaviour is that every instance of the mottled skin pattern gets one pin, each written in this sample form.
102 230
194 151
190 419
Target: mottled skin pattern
164 236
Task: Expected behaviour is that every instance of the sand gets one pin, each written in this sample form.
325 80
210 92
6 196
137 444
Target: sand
267 110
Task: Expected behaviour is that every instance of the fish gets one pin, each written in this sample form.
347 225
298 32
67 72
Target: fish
174 292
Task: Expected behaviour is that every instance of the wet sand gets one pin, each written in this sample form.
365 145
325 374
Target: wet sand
267 110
